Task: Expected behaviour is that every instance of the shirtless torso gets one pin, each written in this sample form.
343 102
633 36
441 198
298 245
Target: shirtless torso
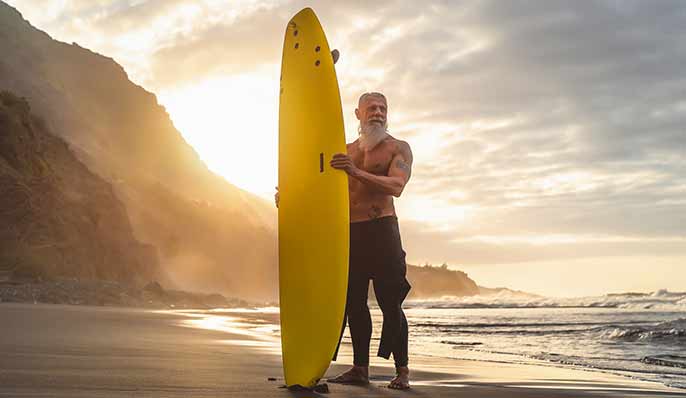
375 177
370 198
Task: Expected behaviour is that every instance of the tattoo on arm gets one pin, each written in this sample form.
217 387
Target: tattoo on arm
402 165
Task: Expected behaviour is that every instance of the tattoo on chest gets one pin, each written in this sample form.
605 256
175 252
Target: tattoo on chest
374 212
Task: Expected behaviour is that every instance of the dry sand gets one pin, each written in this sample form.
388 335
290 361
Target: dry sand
81 351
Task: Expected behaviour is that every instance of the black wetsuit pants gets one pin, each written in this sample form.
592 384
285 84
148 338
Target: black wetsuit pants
376 254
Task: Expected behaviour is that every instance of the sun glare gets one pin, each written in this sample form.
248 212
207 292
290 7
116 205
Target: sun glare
232 123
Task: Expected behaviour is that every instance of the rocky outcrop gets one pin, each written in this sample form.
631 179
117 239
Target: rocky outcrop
109 293
430 282
57 217
490 291
209 234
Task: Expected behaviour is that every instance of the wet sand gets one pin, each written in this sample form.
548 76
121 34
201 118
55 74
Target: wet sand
81 351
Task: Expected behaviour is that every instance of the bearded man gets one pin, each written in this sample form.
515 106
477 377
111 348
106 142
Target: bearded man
379 167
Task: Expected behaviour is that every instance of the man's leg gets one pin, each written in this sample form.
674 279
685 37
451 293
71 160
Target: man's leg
394 332
359 320
360 323
390 295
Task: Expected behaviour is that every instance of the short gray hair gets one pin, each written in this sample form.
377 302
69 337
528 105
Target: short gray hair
372 94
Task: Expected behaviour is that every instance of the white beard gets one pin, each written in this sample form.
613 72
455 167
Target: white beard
371 135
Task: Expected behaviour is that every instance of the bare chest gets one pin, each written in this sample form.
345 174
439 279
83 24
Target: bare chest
375 162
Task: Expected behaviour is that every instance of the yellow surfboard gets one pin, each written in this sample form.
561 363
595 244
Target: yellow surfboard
314 218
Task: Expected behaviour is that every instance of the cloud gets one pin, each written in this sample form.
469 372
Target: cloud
423 243
243 45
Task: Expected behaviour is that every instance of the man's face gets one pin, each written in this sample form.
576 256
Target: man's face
372 110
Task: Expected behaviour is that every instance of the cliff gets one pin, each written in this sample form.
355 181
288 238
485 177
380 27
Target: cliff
210 235
58 218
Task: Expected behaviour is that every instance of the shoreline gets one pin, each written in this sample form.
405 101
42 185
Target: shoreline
253 320
86 351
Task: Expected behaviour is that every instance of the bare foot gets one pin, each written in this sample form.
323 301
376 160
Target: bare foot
402 380
355 375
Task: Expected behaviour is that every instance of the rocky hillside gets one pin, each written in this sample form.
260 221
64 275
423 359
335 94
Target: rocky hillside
57 217
210 235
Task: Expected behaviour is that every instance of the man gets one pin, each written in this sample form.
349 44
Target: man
379 167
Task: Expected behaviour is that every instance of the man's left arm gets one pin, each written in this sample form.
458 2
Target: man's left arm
398 173
401 165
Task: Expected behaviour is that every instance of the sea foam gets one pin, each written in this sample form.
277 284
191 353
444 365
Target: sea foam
661 300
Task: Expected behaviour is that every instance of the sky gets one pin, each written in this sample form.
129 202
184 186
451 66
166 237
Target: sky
549 137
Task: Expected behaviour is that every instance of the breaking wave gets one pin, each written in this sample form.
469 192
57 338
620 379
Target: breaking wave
673 361
661 300
674 331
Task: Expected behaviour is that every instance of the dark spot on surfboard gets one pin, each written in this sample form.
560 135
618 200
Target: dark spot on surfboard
295 33
317 49
271 378
297 45
316 63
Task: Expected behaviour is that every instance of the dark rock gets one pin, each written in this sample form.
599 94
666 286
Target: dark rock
155 288
109 293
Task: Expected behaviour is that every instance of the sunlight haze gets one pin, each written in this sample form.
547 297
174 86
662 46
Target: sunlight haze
548 144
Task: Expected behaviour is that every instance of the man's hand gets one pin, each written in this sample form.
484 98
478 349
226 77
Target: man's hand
343 162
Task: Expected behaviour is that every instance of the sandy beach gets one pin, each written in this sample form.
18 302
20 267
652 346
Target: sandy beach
84 351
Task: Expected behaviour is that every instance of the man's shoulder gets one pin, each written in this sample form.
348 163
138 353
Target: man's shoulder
396 144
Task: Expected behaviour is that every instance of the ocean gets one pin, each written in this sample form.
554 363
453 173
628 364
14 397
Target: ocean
641 336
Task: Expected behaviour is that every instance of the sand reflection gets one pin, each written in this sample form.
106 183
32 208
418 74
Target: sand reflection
258 333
